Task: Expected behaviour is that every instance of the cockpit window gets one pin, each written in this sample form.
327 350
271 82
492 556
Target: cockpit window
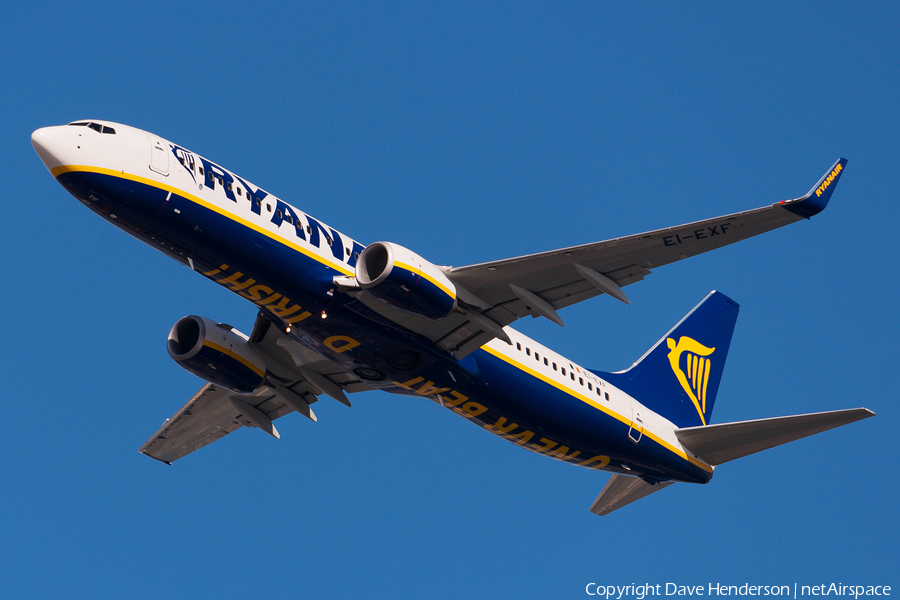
95 126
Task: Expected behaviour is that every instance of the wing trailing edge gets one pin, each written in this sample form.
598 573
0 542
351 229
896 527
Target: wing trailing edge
717 444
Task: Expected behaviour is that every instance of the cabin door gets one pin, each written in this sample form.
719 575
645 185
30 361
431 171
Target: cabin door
636 431
159 155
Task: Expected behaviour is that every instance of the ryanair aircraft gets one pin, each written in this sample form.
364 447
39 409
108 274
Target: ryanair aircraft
338 317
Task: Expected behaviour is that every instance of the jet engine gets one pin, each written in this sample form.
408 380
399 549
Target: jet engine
404 280
217 353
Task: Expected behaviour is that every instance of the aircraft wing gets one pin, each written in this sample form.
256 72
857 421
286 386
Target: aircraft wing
563 277
494 294
297 375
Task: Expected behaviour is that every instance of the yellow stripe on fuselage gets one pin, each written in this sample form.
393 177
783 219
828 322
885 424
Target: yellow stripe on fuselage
231 354
217 209
421 273
594 404
56 172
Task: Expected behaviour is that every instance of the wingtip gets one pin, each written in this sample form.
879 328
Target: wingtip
155 458
816 199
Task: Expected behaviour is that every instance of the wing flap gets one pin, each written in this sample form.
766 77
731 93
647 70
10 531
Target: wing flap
622 490
717 444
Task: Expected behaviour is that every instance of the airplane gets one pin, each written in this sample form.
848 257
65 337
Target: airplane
336 317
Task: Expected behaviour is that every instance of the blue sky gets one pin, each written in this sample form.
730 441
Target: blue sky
466 132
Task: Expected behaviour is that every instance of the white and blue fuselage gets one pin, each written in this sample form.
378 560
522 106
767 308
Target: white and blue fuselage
380 316
285 261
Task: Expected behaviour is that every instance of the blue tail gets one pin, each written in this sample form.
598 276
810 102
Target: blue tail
679 376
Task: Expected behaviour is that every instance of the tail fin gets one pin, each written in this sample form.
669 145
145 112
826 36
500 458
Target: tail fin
679 376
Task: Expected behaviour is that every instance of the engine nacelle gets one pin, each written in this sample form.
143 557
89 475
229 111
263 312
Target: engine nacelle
404 280
216 353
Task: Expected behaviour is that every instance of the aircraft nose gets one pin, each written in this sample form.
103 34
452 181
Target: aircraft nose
52 145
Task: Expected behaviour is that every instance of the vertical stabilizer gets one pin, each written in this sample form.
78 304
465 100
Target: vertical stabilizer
679 376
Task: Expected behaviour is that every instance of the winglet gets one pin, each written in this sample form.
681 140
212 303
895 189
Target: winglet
817 198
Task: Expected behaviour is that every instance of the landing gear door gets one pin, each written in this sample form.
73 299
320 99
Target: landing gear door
636 432
159 155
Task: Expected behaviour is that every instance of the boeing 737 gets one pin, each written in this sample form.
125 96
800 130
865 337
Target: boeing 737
337 317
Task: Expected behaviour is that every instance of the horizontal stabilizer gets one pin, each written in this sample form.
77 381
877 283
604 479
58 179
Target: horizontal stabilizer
621 490
717 444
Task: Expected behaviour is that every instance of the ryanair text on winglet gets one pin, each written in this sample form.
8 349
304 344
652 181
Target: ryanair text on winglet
829 179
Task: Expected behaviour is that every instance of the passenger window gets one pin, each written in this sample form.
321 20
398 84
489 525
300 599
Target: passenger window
607 395
546 362
348 251
572 375
537 357
554 366
239 192
590 387
288 219
528 351
599 393
269 207
201 170
564 371
581 381
229 186
278 213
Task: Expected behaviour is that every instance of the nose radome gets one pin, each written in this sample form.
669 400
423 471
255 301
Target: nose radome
52 144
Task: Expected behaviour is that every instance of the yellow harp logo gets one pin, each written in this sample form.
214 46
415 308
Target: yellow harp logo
694 375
